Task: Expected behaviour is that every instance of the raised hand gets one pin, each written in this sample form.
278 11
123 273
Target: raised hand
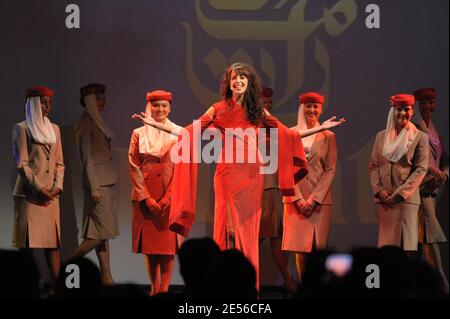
147 119
331 122
144 118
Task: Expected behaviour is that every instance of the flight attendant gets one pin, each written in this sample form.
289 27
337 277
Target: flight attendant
151 172
38 155
271 225
307 214
94 139
398 164
430 230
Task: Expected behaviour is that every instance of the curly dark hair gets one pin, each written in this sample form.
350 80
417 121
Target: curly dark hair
251 101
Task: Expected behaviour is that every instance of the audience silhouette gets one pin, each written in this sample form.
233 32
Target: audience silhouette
371 273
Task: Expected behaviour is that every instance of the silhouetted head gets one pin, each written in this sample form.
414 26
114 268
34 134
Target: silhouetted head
19 277
231 276
195 257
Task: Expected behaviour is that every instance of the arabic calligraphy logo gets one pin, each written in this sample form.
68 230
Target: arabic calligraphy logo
252 41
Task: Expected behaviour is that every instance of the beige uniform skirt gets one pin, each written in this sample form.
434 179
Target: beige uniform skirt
100 219
301 232
398 225
430 231
271 215
36 226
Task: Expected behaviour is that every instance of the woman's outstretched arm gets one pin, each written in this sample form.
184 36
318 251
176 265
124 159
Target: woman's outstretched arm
146 119
328 124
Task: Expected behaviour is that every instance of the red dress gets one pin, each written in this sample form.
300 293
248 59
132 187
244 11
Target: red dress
238 186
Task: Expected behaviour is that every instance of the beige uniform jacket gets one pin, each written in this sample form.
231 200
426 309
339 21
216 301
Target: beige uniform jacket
404 176
39 165
96 156
321 171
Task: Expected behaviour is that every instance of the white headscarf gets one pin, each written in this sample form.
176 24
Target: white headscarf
433 135
154 141
301 126
91 107
396 146
40 127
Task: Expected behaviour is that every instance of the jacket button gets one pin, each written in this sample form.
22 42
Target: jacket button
47 171
159 175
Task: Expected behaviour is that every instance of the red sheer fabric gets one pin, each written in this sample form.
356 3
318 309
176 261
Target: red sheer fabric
238 186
